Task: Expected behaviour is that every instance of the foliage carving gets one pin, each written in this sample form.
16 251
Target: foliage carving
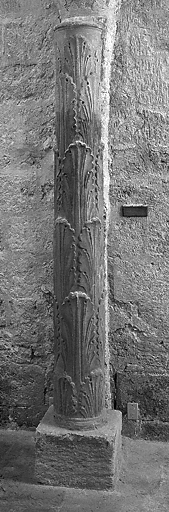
79 226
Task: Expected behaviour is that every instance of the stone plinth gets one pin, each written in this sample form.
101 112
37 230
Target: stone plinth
83 459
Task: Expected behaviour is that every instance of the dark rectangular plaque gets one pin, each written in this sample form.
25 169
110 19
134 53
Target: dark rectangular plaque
134 210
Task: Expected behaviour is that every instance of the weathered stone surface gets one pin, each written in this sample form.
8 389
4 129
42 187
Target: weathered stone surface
138 247
69 452
148 390
138 250
26 205
89 459
27 395
26 173
157 430
79 231
23 400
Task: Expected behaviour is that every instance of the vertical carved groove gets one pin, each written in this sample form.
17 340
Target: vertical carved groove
79 228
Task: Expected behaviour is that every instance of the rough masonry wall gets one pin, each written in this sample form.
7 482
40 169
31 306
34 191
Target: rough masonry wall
26 208
139 170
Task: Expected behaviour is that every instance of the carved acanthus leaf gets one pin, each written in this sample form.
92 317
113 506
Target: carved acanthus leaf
91 397
57 182
58 348
78 334
100 329
65 112
64 261
91 263
77 185
78 70
79 66
98 182
65 393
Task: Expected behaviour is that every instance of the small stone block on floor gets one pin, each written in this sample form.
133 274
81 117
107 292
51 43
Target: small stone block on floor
79 459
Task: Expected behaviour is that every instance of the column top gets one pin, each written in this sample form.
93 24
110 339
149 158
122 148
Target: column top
80 21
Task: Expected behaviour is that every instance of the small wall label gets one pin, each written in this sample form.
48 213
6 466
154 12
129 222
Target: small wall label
134 210
132 411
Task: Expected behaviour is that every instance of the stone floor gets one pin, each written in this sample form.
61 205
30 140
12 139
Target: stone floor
143 484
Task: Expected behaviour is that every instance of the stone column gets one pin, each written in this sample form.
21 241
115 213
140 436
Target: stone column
78 441
79 241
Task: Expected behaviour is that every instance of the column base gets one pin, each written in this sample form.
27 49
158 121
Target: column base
88 459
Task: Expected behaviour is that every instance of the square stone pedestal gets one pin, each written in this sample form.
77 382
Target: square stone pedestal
80 459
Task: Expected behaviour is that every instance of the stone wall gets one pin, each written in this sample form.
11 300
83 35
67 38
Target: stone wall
137 248
139 170
26 208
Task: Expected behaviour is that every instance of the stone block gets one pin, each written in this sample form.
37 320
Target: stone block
156 430
27 395
80 459
150 391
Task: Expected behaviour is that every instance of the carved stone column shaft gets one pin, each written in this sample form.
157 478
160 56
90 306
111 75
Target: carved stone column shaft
79 271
